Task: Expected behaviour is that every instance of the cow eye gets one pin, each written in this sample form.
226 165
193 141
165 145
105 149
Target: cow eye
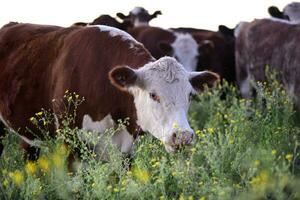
154 97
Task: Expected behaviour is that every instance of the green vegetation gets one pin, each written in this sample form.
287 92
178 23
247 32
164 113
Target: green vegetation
244 149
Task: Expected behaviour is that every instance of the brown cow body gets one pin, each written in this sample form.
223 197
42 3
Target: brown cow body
268 42
42 62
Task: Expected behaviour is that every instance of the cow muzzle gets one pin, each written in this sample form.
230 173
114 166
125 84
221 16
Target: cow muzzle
178 140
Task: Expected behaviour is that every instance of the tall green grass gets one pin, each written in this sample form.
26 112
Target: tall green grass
243 149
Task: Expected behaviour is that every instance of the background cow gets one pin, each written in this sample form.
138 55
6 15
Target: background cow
139 16
108 21
268 42
291 12
215 51
161 42
116 74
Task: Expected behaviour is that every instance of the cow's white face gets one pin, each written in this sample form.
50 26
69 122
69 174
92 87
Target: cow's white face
162 91
292 10
185 50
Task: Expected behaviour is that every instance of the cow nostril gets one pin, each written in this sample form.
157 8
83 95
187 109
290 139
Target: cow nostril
188 137
174 137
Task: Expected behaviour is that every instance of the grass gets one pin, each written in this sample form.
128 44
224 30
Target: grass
244 149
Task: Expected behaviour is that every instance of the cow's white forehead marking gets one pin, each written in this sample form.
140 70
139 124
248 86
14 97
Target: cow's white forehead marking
186 50
122 138
166 69
137 10
113 32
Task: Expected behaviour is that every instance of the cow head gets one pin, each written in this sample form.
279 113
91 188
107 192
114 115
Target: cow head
139 16
184 49
162 91
291 12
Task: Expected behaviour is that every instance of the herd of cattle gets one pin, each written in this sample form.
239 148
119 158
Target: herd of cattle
126 68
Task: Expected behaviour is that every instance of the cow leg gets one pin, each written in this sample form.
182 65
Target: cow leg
2 135
31 152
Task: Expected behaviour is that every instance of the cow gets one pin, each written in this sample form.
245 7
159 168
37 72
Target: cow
116 74
108 21
139 16
267 42
215 51
161 42
291 12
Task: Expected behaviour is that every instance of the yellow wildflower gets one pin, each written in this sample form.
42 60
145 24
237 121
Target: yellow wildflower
174 173
190 198
156 164
202 198
289 157
274 152
181 197
17 177
109 187
39 113
5 183
142 175
43 163
193 150
116 190
33 120
256 163
201 183
57 160
210 130
175 125
124 182
261 180
30 167
129 173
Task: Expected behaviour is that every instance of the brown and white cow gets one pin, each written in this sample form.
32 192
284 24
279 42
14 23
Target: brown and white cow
268 42
290 12
161 42
215 51
117 76
108 21
139 16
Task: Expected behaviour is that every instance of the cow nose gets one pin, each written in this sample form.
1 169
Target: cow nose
182 138
187 137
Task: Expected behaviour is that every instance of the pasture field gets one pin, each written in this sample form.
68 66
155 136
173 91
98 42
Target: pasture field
243 149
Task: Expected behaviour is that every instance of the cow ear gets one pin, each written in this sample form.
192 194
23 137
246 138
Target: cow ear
122 16
225 31
201 79
275 12
155 14
165 48
123 77
206 47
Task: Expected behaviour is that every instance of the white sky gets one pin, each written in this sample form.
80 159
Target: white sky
176 13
